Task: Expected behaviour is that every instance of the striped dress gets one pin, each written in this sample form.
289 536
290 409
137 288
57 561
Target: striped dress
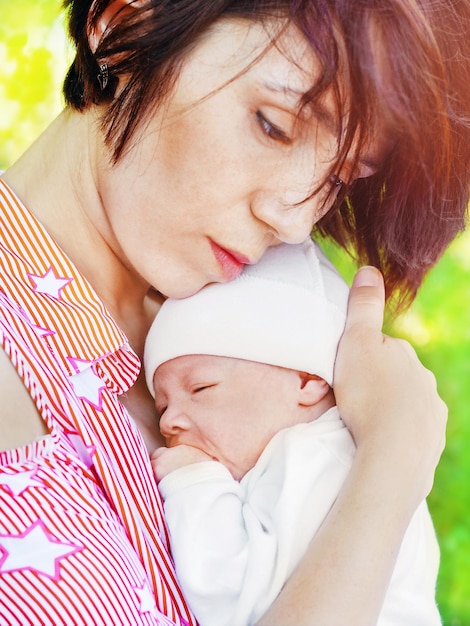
82 534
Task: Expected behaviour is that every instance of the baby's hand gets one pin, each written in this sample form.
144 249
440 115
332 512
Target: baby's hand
166 460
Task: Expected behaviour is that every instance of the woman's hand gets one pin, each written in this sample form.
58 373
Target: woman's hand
390 403
166 460
386 397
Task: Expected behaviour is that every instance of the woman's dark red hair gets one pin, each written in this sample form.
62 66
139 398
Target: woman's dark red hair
398 65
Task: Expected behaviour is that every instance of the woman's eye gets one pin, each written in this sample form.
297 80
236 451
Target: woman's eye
272 131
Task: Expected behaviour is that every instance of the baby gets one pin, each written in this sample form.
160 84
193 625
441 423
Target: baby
256 452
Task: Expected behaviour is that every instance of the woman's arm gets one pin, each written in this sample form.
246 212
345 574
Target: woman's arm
390 403
20 422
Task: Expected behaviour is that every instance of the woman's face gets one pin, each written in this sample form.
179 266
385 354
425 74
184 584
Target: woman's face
217 175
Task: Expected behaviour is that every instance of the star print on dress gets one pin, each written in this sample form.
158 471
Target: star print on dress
84 452
49 284
42 332
35 550
20 481
17 308
146 600
86 383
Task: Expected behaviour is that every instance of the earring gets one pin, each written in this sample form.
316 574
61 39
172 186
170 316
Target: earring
103 76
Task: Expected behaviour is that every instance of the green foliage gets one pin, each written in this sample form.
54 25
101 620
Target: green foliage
32 63
33 59
438 326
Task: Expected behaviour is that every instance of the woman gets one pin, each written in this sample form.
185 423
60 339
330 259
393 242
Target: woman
196 136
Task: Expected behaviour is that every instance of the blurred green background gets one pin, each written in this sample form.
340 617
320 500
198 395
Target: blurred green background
33 58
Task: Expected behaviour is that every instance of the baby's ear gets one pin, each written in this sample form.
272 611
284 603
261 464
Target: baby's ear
312 389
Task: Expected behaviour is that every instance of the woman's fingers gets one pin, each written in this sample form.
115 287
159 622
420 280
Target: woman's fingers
387 398
360 348
366 300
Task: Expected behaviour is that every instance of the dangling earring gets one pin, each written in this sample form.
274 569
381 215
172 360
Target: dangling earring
103 76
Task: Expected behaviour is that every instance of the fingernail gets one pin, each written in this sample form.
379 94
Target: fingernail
367 276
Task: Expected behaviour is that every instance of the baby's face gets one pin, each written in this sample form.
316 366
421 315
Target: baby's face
229 408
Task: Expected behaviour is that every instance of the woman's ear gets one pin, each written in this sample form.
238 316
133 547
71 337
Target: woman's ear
115 7
312 389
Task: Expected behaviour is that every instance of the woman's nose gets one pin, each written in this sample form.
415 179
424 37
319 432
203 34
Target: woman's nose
291 217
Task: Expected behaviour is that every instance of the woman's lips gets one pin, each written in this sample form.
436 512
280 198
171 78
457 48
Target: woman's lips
230 262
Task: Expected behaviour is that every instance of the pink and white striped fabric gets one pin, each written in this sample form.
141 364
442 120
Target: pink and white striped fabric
82 534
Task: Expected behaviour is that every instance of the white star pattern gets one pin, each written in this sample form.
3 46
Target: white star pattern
19 482
17 308
84 452
35 549
49 283
43 332
146 599
86 383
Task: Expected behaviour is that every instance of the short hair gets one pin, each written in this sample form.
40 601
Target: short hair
401 218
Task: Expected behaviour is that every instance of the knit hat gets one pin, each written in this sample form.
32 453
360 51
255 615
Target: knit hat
287 310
